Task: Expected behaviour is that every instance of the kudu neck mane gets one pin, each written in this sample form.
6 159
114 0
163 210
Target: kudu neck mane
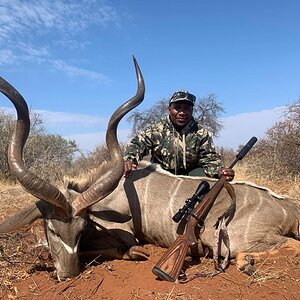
152 167
83 182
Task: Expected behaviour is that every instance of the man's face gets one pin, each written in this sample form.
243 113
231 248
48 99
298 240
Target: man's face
180 113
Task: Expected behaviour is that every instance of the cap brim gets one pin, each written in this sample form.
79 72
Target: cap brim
181 100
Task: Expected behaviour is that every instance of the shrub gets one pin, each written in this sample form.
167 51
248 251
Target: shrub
47 155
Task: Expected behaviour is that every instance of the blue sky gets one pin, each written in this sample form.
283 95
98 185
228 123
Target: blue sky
71 60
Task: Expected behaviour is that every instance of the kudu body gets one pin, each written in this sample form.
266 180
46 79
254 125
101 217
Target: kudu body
262 223
108 214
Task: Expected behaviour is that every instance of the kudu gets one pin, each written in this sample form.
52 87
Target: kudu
139 209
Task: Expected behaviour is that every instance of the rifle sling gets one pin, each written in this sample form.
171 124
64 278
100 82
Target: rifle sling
221 235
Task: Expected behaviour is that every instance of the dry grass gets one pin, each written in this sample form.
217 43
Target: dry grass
286 186
12 198
172 295
276 268
20 256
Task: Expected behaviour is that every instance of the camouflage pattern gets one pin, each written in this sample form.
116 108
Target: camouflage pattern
177 152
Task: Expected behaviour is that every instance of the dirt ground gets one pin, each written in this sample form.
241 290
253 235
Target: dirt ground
26 272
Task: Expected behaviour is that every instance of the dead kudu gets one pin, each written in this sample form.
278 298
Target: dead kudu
139 209
263 222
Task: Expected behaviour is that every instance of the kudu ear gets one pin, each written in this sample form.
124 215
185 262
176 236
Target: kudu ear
23 218
110 216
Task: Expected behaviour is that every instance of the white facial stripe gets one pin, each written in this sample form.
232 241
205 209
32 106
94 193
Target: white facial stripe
70 249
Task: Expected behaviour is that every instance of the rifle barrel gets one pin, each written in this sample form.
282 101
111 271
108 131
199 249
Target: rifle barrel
244 151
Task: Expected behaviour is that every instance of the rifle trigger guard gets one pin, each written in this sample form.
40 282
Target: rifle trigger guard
201 228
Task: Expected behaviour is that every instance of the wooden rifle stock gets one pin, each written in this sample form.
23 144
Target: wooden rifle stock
170 264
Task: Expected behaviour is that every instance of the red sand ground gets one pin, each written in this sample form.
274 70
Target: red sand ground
25 273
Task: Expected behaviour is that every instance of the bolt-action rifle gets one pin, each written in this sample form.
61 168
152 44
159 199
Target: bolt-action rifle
170 264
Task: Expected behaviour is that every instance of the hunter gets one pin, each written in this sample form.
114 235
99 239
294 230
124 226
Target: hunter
178 143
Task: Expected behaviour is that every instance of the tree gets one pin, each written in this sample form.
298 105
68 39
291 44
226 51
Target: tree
85 163
47 155
142 119
206 112
277 155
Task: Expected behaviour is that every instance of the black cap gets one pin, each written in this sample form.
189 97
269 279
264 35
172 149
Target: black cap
182 95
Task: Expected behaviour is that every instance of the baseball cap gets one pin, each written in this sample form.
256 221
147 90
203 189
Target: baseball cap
182 95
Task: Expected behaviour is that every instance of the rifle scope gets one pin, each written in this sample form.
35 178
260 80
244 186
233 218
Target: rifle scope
202 189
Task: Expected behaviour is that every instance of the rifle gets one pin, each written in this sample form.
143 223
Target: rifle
170 264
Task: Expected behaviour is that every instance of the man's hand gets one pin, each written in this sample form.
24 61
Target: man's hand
129 166
228 173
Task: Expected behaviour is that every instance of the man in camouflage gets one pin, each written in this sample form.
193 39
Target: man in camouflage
178 143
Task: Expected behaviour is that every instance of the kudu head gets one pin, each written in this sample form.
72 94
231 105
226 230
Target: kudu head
65 213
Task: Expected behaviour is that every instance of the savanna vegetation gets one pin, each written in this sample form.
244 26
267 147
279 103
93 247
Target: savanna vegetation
48 155
274 161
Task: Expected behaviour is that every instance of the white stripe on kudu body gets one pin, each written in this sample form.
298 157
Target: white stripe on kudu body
262 220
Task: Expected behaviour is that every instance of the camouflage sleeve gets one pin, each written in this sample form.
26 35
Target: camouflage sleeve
139 147
209 159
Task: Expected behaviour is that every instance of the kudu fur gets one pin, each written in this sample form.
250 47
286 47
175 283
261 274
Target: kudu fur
263 221
139 209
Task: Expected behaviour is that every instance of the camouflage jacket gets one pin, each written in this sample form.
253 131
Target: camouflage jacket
177 152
